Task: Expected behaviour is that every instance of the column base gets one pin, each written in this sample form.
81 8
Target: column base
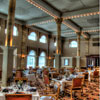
78 59
58 61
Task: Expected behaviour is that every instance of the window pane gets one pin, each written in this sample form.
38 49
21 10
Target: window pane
73 44
31 59
43 39
32 36
15 31
42 59
66 63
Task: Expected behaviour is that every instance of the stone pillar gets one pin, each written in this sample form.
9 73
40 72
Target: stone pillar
78 42
8 49
87 46
10 22
24 47
78 58
7 65
58 40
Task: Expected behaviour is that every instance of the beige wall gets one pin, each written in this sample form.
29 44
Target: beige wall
72 52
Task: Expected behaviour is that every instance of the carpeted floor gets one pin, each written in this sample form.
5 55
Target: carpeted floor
90 92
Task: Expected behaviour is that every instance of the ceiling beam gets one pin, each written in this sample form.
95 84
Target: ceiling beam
39 20
79 12
71 25
52 12
4 16
45 7
85 34
91 29
39 29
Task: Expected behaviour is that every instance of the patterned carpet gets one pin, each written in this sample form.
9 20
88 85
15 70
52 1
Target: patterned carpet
90 92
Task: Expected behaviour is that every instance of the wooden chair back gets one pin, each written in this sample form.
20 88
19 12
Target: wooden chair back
96 73
46 80
24 79
18 74
18 97
86 76
77 83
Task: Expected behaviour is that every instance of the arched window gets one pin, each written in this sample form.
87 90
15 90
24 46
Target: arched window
42 59
31 59
73 44
15 31
32 36
43 39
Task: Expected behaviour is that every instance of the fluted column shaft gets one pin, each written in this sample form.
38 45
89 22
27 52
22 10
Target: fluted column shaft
10 22
58 38
78 42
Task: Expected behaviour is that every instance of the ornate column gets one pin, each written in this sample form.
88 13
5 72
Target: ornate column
7 66
58 40
78 51
78 42
87 46
10 22
24 47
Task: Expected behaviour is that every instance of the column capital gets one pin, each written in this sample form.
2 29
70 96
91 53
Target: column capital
59 20
78 33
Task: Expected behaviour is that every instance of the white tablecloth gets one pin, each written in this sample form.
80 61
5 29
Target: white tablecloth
63 82
35 96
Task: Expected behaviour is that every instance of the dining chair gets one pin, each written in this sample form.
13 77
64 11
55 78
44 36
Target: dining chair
76 86
86 79
18 96
18 74
52 94
95 75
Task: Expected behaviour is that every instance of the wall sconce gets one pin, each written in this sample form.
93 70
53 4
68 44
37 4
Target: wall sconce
23 55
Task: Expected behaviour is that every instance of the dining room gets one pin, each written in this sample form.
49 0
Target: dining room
49 50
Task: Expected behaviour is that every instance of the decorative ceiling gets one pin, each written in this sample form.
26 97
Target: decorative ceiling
78 15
